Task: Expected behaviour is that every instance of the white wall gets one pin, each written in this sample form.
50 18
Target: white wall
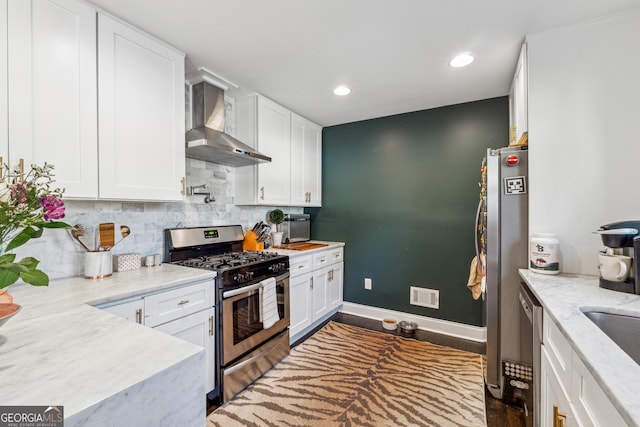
584 121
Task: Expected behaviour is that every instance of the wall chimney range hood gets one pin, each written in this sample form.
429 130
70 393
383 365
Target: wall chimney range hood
207 140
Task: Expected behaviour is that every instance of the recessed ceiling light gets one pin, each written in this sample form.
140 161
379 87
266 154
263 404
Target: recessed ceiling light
461 60
341 91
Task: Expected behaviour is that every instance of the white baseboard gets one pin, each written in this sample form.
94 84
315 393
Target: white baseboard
445 327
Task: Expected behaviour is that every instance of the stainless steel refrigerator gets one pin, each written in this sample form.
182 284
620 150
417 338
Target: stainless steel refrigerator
502 246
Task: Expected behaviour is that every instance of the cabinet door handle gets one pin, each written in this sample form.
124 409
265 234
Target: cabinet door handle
312 283
21 165
183 302
261 193
139 316
330 274
211 326
558 417
184 189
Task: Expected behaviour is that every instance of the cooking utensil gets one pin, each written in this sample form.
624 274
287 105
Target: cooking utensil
107 236
124 232
77 231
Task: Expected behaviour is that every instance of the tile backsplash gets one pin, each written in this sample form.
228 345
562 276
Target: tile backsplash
61 257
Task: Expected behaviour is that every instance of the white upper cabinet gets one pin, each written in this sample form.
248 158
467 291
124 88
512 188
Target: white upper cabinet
52 92
518 98
266 126
141 115
293 178
306 162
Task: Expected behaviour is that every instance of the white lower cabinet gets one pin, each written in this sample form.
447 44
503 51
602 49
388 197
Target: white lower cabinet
186 312
315 289
132 310
198 329
567 385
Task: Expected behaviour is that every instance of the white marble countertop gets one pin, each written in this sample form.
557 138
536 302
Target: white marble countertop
59 350
563 296
293 253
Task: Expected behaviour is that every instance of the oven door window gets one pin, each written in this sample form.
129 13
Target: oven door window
247 314
246 317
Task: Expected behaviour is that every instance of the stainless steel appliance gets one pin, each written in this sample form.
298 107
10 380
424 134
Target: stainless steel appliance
622 238
246 346
207 139
502 248
296 228
530 341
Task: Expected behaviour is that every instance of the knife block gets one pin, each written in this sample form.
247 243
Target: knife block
251 243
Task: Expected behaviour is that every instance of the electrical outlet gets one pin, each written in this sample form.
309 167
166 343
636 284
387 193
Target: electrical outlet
367 283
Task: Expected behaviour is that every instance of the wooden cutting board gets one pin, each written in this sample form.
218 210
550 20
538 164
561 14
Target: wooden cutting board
301 246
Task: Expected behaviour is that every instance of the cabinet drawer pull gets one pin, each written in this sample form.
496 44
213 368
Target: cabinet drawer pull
558 417
139 316
211 326
183 302
300 267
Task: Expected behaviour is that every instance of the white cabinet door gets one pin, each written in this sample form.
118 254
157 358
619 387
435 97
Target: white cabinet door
519 96
274 141
306 162
141 113
52 90
132 310
198 329
553 394
334 286
265 126
320 297
300 303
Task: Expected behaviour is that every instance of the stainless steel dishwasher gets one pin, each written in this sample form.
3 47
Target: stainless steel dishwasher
530 341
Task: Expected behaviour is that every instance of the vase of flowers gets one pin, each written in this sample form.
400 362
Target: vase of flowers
28 204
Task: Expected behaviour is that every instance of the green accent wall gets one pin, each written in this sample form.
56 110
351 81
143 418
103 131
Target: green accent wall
402 193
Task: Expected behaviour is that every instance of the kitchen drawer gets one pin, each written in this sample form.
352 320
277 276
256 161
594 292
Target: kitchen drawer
559 350
300 265
170 305
327 257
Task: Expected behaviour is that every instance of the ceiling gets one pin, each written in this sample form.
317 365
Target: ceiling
393 54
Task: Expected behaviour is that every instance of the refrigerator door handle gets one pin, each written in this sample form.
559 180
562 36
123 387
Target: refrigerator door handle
478 213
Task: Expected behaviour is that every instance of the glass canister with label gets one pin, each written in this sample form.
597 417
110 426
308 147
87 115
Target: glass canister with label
544 253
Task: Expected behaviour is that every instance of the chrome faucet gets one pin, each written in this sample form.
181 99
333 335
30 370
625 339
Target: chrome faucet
200 189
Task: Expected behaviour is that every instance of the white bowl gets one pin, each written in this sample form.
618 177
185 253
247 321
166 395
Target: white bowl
389 324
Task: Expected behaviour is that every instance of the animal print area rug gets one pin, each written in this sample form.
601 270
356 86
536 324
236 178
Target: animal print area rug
347 376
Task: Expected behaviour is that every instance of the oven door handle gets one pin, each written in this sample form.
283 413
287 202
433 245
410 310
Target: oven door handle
234 292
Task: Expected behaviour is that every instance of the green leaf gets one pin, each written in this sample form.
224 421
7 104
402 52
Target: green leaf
35 278
7 277
55 224
23 237
7 258
16 268
29 262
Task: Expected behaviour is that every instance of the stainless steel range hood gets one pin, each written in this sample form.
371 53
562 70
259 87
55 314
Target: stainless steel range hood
207 140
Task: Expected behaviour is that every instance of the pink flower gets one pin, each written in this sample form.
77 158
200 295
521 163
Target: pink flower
53 208
20 193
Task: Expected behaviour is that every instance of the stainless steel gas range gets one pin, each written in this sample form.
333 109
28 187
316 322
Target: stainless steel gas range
252 301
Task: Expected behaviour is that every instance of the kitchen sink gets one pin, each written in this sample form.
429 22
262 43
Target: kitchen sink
623 329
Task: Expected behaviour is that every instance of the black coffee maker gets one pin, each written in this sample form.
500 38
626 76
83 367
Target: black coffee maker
623 238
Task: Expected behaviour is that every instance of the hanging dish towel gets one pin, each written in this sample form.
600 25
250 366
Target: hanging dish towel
268 303
475 279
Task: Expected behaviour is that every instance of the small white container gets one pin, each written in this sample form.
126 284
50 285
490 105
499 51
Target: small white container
97 265
544 253
389 324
